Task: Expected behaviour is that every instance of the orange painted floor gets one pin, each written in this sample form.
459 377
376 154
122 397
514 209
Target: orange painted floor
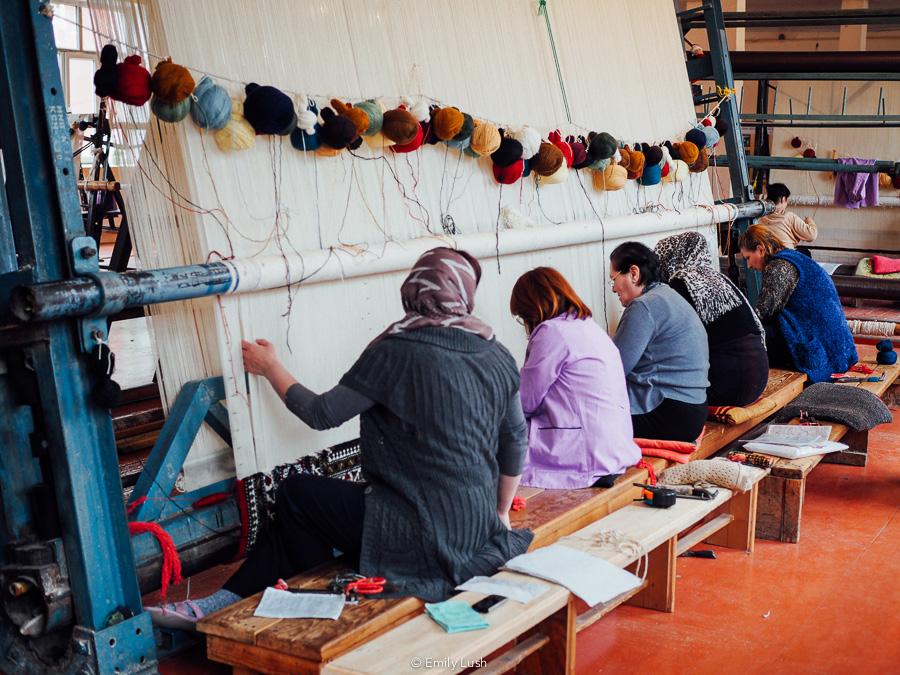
826 605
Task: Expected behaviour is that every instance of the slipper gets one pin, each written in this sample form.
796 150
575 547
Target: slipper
184 616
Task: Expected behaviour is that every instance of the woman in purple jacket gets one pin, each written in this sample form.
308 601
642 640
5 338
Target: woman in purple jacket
572 388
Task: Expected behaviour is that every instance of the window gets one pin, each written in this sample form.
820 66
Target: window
77 52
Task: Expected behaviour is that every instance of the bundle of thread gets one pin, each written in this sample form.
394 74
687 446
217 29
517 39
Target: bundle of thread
374 116
635 164
600 147
696 136
507 160
306 135
548 160
563 146
133 82
210 105
238 134
653 161
529 139
171 85
400 126
169 112
485 139
107 76
611 178
702 163
886 354
580 158
446 123
414 144
337 133
269 110
356 115
463 138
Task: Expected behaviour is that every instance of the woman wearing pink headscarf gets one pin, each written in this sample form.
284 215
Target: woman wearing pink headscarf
442 439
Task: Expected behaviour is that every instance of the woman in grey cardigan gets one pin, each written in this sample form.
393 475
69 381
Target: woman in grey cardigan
443 442
663 346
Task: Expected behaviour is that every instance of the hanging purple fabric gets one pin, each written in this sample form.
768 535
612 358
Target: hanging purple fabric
852 190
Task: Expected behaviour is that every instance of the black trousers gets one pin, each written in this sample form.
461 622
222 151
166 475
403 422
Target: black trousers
777 347
313 516
671 420
738 372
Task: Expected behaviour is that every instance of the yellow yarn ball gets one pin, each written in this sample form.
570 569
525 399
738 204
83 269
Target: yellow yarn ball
237 134
326 151
611 178
378 141
558 176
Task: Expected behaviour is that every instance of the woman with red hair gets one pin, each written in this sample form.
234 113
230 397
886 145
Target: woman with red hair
572 388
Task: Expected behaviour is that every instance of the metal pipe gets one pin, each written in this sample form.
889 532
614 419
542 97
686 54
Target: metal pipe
818 118
843 17
881 65
808 164
828 200
825 125
109 292
99 185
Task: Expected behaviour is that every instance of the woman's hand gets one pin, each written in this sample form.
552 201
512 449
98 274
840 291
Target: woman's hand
260 357
504 518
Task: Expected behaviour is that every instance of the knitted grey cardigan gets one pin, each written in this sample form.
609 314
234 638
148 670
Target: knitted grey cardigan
429 452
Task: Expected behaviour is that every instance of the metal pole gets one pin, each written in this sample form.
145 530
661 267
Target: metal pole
812 164
108 292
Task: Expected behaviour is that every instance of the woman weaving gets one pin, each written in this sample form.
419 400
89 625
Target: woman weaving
443 442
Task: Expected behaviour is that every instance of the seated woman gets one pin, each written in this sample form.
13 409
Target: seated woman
738 364
663 346
442 446
572 389
800 308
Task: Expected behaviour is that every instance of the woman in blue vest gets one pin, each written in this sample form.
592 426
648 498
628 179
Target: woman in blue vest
799 305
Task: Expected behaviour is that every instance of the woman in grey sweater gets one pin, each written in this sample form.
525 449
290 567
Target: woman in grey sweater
663 346
443 442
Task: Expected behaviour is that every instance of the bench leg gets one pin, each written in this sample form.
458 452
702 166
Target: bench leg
558 655
660 591
856 454
741 532
780 507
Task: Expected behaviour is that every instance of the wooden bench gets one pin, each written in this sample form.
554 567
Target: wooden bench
782 492
237 638
542 632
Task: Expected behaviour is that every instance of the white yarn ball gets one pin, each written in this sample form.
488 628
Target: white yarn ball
530 140
420 111
306 120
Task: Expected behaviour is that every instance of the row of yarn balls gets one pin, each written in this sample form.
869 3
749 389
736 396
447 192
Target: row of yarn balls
514 153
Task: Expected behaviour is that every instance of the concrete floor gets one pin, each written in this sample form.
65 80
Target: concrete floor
825 605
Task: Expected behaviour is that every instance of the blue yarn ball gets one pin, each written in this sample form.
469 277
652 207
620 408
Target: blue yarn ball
460 145
652 175
210 105
600 164
712 136
375 115
170 112
885 346
886 358
470 152
303 140
269 110
696 136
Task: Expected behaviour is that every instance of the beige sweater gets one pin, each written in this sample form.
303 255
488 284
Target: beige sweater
790 228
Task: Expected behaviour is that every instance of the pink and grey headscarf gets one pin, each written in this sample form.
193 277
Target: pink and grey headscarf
440 291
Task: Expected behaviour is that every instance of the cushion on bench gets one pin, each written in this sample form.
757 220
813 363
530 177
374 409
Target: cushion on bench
864 269
720 472
733 415
853 406
675 451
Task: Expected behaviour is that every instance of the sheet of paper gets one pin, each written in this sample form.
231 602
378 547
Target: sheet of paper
277 604
795 452
592 579
794 434
514 589
828 267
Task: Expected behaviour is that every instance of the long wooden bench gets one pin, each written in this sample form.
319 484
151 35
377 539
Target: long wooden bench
237 638
782 492
543 631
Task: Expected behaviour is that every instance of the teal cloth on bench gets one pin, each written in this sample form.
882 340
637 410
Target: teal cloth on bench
455 616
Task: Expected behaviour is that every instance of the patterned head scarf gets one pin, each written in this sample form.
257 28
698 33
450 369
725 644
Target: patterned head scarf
440 291
686 256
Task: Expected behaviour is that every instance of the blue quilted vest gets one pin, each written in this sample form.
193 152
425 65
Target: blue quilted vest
813 322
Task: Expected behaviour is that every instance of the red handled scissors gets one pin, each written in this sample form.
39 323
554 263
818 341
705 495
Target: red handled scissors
366 586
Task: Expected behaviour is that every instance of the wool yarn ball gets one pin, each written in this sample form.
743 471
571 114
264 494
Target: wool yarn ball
170 112
602 146
702 163
210 105
414 144
508 153
895 181
238 134
485 138
563 146
469 152
421 110
171 82
721 126
529 138
580 157
696 136
374 116
359 117
680 171
673 150
466 130
689 152
612 178
526 168
269 110
886 358
652 175
636 164
446 123
653 155
107 75
509 174
558 176
884 345
796 142
306 134
707 122
327 151
337 132
809 153
547 160
133 83
712 136
625 156
400 126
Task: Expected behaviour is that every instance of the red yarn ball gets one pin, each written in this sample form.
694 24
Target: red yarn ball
809 152
796 142
707 122
133 86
